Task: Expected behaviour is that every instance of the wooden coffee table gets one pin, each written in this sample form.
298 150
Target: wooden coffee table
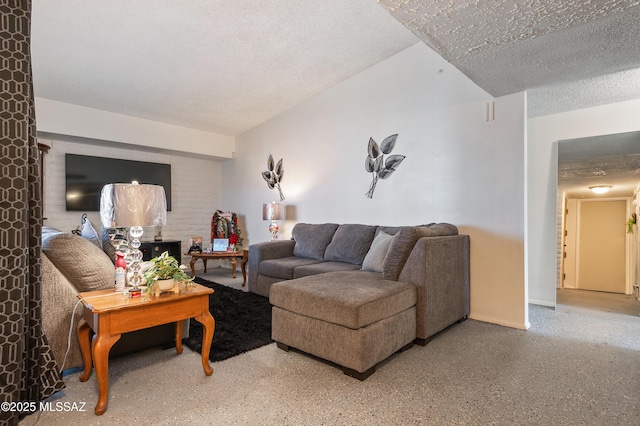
231 255
109 314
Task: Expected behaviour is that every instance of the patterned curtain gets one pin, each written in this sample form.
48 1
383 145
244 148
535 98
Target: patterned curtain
28 372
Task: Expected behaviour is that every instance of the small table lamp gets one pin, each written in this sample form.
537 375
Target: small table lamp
273 212
133 205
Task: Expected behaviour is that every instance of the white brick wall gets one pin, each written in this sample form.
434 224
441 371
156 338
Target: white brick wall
195 188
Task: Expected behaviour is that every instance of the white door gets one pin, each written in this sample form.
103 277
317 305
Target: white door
602 246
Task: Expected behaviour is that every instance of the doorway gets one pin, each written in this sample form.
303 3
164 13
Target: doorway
596 278
601 254
597 253
598 272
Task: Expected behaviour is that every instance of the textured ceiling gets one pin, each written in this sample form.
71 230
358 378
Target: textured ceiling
226 66
599 160
566 55
215 65
558 51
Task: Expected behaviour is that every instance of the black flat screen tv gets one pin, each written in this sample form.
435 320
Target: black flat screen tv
86 175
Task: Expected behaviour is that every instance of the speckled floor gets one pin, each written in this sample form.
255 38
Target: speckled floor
616 306
567 369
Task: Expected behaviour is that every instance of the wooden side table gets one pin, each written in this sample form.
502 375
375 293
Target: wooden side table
231 255
110 314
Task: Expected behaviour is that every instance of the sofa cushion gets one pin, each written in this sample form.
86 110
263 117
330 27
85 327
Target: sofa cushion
323 267
283 267
79 260
312 240
391 230
374 259
350 243
437 230
352 299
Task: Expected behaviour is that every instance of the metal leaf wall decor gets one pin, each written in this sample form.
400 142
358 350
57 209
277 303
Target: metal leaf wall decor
273 175
377 165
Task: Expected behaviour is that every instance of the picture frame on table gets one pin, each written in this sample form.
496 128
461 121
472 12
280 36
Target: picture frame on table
220 244
195 245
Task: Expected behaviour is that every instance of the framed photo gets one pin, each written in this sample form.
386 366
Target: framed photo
220 244
195 244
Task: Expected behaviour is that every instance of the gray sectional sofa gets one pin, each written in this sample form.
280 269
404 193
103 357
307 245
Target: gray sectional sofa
355 294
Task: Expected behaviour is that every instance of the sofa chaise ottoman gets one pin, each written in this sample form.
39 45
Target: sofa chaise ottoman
365 322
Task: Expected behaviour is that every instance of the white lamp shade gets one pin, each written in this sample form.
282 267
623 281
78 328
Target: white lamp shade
125 205
272 211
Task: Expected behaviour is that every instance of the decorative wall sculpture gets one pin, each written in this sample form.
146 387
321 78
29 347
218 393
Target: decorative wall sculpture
377 165
273 175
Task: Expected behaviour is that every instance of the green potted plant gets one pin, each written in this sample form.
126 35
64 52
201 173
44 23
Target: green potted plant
630 222
164 273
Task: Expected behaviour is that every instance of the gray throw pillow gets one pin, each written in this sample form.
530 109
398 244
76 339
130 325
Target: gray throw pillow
312 240
398 253
374 259
350 243
89 232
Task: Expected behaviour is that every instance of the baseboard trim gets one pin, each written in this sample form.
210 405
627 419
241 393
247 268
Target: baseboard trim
491 320
542 303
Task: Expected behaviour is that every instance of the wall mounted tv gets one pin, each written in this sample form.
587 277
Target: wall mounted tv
86 175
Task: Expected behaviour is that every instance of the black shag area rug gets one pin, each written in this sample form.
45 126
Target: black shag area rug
243 322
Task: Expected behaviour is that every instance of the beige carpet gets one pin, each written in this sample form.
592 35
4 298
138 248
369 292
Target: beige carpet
567 369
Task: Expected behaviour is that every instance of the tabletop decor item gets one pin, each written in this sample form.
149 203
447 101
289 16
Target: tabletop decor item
195 245
225 225
133 205
164 274
274 212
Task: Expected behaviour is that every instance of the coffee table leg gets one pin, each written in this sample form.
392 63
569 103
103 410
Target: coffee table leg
179 326
243 267
234 264
85 349
209 324
101 348
192 264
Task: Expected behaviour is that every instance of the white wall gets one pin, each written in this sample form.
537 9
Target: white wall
458 168
60 118
195 188
542 170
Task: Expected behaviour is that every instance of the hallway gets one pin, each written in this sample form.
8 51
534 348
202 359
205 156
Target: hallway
613 306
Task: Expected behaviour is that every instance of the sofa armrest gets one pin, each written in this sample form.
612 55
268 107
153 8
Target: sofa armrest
439 267
264 251
59 298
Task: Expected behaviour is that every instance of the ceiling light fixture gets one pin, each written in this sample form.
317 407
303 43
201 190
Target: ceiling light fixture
600 189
